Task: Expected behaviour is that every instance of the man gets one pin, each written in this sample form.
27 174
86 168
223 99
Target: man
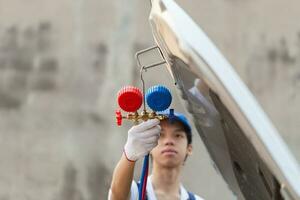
169 144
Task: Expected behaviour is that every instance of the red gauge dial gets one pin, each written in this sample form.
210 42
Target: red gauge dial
130 98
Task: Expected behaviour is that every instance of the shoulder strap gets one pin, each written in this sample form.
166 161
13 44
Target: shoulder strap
191 196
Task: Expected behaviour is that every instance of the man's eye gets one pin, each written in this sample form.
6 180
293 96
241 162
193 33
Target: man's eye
179 135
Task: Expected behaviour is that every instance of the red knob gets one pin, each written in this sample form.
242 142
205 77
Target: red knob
119 117
130 98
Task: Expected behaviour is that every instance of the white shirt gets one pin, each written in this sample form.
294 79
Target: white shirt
134 191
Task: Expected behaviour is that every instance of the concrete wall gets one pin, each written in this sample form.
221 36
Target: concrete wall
62 62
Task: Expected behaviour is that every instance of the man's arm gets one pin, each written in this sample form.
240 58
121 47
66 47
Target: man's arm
140 141
122 179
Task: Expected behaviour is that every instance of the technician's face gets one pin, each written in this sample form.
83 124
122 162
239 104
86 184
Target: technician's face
172 147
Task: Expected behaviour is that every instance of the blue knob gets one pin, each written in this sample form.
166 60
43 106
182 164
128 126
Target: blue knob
172 117
158 98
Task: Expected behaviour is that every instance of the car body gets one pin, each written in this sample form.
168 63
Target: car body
242 142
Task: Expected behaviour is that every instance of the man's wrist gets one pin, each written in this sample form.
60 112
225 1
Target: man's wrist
126 156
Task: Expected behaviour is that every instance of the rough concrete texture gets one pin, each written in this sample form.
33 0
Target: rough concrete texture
62 62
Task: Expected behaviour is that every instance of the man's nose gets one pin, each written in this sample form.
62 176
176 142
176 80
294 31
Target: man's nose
168 141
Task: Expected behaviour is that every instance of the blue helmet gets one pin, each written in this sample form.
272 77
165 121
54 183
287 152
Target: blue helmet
175 116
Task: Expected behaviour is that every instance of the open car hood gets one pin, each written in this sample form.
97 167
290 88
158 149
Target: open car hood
242 142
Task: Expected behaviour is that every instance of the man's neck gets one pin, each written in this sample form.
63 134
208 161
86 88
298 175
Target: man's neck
166 180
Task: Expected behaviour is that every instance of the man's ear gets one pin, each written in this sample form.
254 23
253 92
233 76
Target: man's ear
189 149
189 152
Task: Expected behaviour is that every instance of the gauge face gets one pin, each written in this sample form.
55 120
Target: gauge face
158 98
241 140
130 98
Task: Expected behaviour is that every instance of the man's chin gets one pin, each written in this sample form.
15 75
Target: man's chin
170 163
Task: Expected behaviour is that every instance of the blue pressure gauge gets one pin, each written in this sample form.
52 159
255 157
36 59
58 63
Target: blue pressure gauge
158 98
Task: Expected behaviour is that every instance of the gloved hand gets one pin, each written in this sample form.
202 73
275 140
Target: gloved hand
141 139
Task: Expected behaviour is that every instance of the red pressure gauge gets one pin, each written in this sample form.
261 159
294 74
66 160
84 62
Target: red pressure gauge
130 98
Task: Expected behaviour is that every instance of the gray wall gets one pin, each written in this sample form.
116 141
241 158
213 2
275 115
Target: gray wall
62 63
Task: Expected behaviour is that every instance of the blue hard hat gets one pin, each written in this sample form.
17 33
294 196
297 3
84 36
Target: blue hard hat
176 116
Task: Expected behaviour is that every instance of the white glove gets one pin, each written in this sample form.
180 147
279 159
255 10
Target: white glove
142 139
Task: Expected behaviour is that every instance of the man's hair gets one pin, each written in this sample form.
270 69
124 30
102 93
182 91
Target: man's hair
187 129
188 134
179 117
